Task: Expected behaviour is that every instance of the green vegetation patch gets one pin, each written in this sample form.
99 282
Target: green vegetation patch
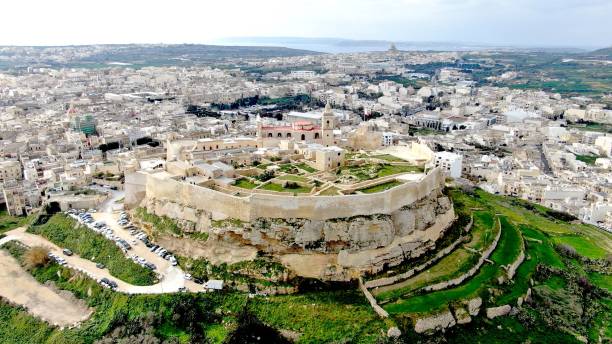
293 178
585 245
388 157
587 159
8 222
323 317
330 191
245 183
305 167
381 187
162 224
372 171
290 187
88 244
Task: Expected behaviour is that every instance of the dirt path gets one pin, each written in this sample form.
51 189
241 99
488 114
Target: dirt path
18 286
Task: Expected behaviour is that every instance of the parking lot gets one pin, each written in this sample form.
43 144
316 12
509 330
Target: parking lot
18 286
114 224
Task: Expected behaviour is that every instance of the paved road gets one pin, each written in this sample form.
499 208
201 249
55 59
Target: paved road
172 278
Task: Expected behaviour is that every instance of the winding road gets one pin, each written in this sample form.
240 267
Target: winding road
172 278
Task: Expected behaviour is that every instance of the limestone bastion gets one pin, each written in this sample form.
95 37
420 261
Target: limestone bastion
334 238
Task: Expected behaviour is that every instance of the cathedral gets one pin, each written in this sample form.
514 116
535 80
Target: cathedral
301 131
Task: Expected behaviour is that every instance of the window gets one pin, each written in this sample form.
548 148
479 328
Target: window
288 135
279 135
316 136
269 134
303 137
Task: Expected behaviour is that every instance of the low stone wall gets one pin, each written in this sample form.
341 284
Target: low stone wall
511 270
456 281
405 275
379 310
494 312
435 322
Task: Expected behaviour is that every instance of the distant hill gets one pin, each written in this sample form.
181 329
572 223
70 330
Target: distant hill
137 55
607 52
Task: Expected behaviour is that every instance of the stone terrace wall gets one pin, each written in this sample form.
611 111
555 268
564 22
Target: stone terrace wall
456 281
511 270
222 205
405 275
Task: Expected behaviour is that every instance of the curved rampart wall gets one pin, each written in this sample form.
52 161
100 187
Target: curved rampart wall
222 205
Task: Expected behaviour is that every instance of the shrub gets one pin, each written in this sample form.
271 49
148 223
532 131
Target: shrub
567 250
36 257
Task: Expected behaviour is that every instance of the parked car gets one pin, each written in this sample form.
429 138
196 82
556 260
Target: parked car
67 252
100 266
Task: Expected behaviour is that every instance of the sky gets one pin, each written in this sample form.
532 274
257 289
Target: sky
546 23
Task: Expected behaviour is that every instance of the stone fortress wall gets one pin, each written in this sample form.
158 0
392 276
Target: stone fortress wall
222 205
328 237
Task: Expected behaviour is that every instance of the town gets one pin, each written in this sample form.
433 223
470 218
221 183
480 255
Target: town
426 186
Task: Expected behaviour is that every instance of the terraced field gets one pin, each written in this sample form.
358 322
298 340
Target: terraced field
534 230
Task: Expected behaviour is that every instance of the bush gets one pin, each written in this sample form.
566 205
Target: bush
567 250
37 256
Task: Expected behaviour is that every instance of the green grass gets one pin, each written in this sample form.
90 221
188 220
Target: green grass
305 167
486 277
388 170
510 236
381 187
330 191
388 157
286 168
88 244
17 326
451 266
168 331
482 230
322 317
293 178
588 159
279 188
585 245
201 236
533 215
216 333
161 224
373 171
601 280
245 183
8 222
319 317
592 126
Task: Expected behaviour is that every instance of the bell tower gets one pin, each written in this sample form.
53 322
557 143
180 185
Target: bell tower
328 123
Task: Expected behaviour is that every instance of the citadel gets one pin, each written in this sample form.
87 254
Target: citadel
330 215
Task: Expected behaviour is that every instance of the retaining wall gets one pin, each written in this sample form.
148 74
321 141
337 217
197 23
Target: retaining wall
456 281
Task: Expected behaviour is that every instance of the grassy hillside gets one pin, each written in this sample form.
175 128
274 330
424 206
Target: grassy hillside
570 287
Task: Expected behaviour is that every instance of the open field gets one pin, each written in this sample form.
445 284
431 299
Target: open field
18 286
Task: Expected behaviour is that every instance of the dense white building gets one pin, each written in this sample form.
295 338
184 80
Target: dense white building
451 163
